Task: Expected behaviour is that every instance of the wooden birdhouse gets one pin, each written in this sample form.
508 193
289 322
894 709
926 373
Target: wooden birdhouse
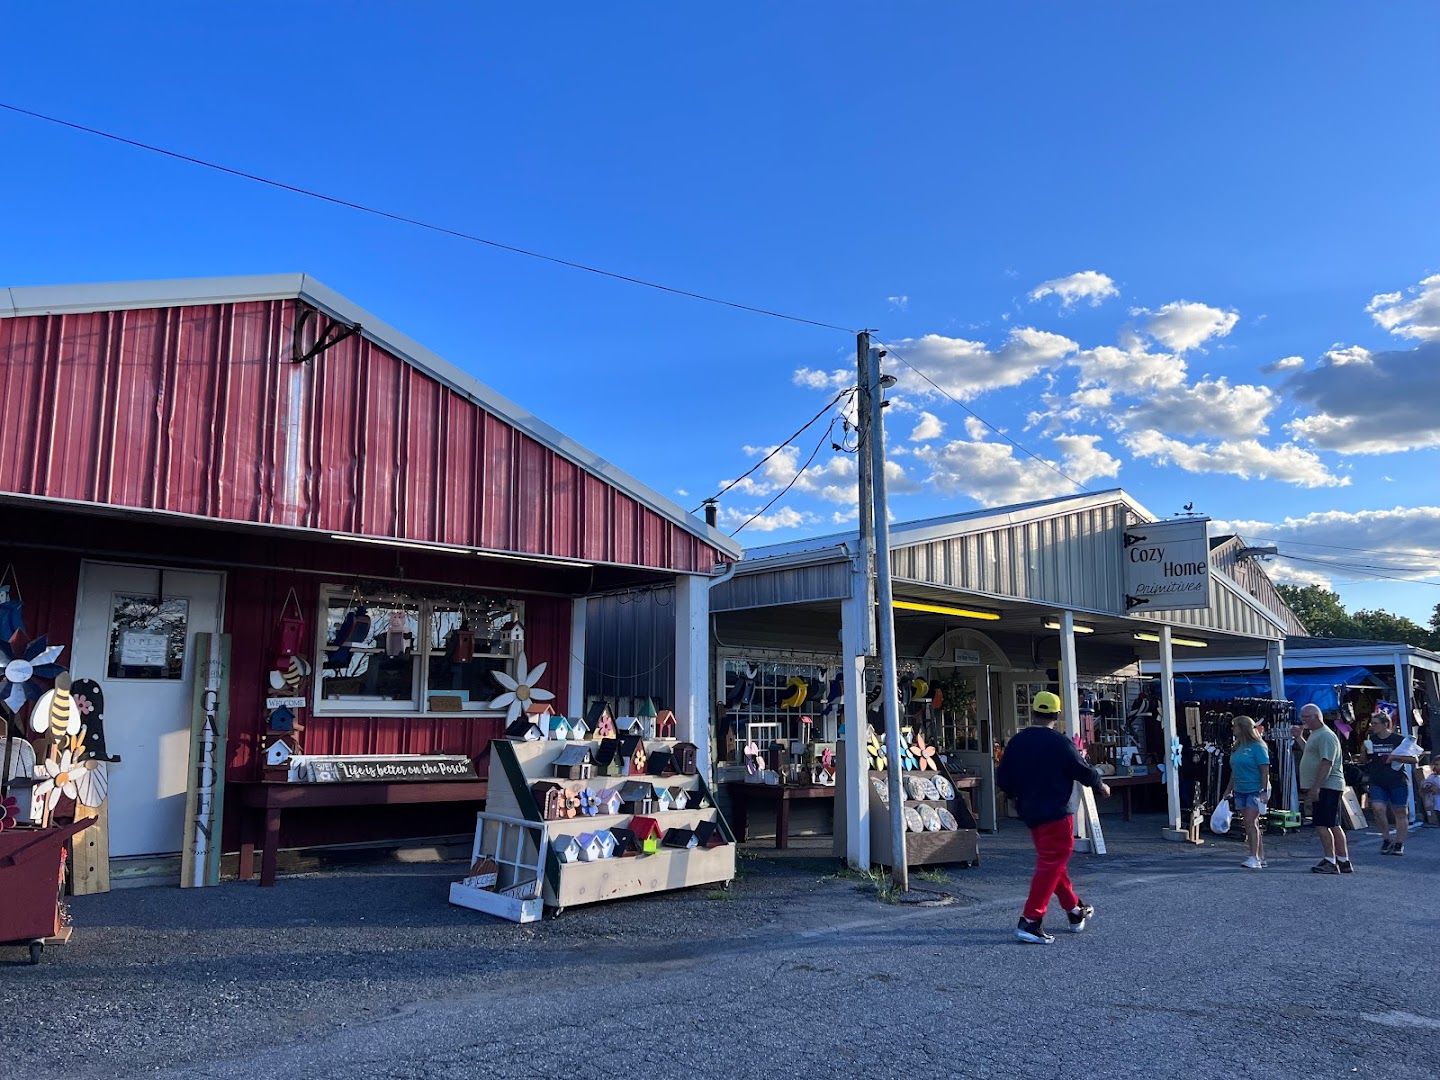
573 763
525 729
608 759
647 715
660 763
579 730
685 756
662 799
541 711
607 843
635 755
679 838
602 723
708 834
665 724
777 757
647 834
559 728
630 725
483 873
590 849
679 798
699 800
460 646
550 798
566 848
626 845
609 802
637 797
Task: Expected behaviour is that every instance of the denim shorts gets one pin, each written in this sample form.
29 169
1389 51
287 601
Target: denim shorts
1244 800
1399 795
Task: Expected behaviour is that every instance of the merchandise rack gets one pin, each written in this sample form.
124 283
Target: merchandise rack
960 845
514 766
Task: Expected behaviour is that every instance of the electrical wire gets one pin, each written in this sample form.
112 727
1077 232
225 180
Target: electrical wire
498 245
1351 568
799 473
1340 547
1048 464
781 446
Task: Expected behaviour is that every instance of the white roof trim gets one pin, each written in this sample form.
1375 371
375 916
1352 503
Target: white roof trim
190 292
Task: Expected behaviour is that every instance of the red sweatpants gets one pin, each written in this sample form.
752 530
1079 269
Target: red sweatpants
1054 842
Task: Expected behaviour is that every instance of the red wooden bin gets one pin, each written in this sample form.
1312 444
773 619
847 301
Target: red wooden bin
32 876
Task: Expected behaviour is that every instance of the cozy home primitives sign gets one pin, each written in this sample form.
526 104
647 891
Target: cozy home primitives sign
1167 565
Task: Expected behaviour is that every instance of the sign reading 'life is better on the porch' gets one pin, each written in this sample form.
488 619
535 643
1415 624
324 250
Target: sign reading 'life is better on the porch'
417 768
1167 565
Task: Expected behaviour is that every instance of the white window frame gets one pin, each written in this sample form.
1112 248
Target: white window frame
417 705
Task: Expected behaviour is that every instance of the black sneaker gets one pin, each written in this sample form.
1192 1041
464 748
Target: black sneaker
1345 867
1324 866
1386 847
1031 932
1078 916
1397 848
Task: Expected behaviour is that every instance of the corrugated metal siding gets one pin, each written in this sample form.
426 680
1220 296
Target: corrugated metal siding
1250 576
1228 611
796 585
630 647
1071 560
197 410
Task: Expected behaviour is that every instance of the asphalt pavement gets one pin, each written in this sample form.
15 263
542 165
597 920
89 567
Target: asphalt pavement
1193 965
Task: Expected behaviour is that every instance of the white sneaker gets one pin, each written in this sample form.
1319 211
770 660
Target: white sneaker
1252 863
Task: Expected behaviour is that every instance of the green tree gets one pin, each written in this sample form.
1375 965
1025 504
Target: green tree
1320 610
1381 625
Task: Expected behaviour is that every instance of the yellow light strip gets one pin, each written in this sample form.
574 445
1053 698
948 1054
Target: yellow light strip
940 609
1054 624
1189 642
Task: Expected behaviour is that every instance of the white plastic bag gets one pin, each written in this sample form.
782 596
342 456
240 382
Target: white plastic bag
1220 819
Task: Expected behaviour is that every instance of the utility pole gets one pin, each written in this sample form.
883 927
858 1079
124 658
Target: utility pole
874 387
867 502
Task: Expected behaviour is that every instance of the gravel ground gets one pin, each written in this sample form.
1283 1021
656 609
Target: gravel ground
1193 965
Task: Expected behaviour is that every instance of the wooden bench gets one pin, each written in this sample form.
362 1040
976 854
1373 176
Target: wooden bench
742 795
266 800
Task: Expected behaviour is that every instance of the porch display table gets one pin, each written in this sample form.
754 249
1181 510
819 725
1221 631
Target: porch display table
266 800
1123 785
743 794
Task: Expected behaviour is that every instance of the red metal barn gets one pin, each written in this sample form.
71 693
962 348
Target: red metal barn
222 455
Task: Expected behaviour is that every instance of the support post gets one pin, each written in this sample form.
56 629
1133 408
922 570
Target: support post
866 596
1172 830
1402 703
1275 666
1087 816
855 797
692 666
575 700
885 619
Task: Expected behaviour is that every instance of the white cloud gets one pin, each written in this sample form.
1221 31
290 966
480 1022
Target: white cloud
991 474
898 302
682 493
1285 363
1245 458
1088 285
1185 325
1209 407
1282 571
811 379
1343 355
967 369
1129 368
928 428
1403 541
786 517
1417 317
1382 403
975 428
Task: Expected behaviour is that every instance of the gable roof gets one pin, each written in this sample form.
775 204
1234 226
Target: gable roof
20 302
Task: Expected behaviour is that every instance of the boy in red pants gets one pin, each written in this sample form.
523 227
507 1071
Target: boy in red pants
1039 771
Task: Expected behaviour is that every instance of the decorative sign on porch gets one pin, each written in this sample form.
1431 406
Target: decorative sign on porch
1167 565
209 727
400 767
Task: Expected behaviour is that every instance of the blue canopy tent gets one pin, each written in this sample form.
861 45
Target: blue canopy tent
1318 686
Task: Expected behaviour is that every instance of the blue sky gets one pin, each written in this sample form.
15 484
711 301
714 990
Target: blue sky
1234 206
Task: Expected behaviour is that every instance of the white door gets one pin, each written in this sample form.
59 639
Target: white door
135 630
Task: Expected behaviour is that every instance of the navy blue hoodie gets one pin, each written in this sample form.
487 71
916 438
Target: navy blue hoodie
1039 771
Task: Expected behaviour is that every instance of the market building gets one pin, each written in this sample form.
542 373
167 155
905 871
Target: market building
384 545
991 606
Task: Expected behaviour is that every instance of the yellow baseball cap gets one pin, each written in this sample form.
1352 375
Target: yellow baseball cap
1045 702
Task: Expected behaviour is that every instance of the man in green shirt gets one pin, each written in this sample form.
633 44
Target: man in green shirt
1322 775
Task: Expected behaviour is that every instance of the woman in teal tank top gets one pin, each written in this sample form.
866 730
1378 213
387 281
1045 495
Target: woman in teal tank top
1250 781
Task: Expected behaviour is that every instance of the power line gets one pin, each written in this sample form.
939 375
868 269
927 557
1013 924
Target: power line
1341 547
1362 570
801 472
781 446
337 201
1049 465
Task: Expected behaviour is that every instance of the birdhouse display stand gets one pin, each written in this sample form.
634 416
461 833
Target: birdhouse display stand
631 866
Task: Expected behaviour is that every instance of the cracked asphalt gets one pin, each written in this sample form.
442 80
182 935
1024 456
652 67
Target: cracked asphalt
1192 966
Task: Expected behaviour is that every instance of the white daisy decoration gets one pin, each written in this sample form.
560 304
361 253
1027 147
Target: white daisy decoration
55 779
520 689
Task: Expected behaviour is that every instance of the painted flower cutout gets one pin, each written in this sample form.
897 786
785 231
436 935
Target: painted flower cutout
23 666
520 690
876 750
924 752
754 759
9 813
83 704
55 779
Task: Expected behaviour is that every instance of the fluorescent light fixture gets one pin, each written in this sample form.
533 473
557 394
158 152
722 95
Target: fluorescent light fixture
385 542
941 609
1054 624
1191 642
